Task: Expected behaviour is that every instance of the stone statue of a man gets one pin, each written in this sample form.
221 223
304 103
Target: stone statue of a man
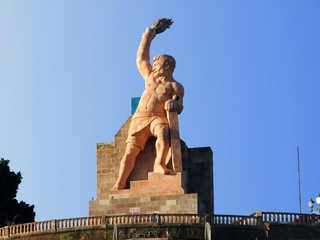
162 93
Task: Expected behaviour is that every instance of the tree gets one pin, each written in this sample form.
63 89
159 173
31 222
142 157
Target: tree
12 211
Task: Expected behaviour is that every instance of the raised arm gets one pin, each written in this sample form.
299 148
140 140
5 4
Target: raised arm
143 54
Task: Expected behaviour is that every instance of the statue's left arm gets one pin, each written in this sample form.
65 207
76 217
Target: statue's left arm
176 103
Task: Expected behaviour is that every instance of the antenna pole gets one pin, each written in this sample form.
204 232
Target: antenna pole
298 156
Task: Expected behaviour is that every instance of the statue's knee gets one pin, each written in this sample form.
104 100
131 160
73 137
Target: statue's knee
163 134
132 150
162 130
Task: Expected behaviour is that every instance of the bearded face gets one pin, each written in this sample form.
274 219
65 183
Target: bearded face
159 69
163 65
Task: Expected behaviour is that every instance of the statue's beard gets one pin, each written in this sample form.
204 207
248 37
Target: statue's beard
157 74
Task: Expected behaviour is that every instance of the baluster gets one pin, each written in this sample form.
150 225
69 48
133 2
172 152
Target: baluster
191 219
166 219
163 219
291 218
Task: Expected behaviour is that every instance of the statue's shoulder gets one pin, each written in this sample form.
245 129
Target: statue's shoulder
177 85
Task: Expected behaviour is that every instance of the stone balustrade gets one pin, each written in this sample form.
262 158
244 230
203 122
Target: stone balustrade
283 217
234 220
98 221
155 219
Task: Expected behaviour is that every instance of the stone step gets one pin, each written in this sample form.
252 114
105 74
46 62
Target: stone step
156 185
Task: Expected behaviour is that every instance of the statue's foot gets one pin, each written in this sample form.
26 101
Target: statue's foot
117 187
162 170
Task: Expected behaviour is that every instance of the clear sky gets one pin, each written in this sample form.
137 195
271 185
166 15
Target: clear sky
250 70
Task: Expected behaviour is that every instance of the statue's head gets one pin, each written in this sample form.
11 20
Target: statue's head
164 61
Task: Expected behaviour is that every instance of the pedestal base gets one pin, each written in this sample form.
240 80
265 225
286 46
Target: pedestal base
159 194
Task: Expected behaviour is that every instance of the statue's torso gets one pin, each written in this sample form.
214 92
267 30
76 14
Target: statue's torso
154 97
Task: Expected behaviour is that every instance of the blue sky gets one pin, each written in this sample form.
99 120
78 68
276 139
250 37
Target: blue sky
250 70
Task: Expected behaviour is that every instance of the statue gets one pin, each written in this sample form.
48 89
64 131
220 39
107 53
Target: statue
162 93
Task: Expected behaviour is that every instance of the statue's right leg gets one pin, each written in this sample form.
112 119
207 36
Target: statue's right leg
126 165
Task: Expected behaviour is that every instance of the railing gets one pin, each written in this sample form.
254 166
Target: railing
167 219
50 226
283 217
99 221
234 220
156 219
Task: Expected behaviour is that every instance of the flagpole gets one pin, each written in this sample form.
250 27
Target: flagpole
298 156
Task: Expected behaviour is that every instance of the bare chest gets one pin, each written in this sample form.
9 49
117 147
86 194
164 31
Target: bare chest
161 89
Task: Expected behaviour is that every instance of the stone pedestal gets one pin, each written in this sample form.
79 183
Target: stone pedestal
158 194
150 192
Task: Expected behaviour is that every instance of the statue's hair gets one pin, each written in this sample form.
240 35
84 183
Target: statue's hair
166 60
